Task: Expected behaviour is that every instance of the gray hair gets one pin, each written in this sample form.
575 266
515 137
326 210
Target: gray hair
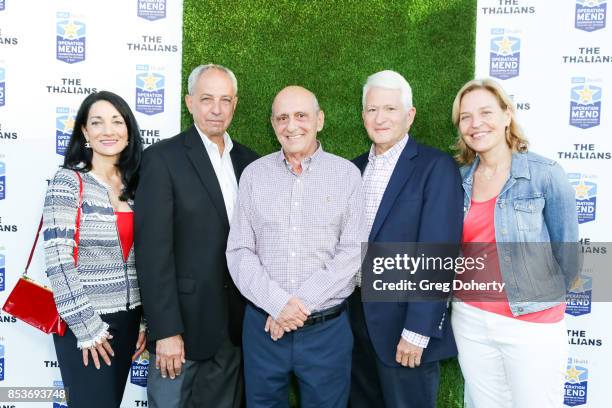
389 80
200 69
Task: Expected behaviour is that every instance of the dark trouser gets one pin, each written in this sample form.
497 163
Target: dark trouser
319 355
373 382
216 382
103 388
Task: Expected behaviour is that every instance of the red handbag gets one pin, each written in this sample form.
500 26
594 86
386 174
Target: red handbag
32 302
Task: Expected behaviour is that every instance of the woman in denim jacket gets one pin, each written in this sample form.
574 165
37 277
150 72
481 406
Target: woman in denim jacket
520 214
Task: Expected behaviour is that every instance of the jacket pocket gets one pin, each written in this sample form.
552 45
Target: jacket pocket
529 213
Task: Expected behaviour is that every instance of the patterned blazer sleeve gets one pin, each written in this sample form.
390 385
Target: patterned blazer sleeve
59 217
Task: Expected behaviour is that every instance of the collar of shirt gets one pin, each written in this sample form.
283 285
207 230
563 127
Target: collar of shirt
212 146
306 163
390 157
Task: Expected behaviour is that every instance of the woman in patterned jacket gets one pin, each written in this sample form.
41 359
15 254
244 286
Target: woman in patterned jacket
95 286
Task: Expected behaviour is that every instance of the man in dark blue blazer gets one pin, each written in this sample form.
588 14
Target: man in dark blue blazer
413 194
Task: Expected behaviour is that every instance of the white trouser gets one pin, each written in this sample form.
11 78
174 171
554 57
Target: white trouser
509 363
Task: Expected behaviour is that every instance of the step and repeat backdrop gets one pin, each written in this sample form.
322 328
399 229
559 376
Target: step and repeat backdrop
555 59
52 55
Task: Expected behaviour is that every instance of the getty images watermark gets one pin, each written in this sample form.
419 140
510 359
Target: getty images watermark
483 271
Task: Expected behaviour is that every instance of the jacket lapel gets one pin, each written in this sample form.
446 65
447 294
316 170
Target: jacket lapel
196 152
401 174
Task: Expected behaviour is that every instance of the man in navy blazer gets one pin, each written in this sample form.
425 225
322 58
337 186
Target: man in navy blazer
413 194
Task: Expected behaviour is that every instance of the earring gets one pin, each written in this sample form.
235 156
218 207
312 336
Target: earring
87 145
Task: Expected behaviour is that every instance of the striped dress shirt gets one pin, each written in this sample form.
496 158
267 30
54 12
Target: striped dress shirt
375 179
297 234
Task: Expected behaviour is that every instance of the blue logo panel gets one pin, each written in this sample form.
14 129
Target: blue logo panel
2 181
590 15
140 370
2 272
505 56
64 124
585 106
576 385
1 362
59 403
149 93
70 35
578 299
2 87
586 197
151 9
2 5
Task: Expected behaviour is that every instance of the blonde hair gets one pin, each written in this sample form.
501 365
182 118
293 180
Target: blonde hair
514 135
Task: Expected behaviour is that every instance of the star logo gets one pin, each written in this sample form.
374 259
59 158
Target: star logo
505 46
573 374
68 124
591 3
586 95
578 285
582 190
70 30
150 82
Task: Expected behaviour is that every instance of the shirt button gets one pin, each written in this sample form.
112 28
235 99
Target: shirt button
296 203
294 228
502 205
520 309
504 231
292 280
292 253
298 181
507 258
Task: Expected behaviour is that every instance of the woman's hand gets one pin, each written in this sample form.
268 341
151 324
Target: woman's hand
141 343
102 349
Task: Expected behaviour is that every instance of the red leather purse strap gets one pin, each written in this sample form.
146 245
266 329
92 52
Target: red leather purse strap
77 229
76 233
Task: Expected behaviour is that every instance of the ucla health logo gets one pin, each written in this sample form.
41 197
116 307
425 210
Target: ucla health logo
585 103
586 196
1 361
505 54
149 90
578 299
590 14
2 180
2 272
140 370
2 87
576 382
70 38
64 123
151 9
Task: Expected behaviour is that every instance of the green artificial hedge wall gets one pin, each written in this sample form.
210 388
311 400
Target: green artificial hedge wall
330 47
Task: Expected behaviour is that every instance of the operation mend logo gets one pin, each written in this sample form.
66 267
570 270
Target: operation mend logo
505 53
585 103
576 382
2 353
151 9
578 299
2 180
70 35
2 5
590 15
586 196
64 124
2 86
149 90
140 370
2 271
